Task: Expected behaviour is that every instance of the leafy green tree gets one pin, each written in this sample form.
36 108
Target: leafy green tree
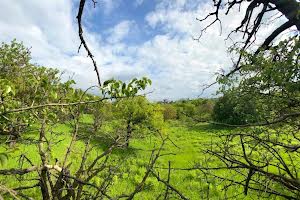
102 112
195 109
185 109
23 84
169 112
139 116
265 156
205 109
234 109
269 80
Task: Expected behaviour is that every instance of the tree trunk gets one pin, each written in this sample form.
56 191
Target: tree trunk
44 185
12 140
128 134
290 9
96 124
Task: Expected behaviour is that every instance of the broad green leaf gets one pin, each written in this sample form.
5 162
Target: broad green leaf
7 89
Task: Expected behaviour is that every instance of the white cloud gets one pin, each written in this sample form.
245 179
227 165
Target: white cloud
177 65
186 64
120 31
109 5
47 27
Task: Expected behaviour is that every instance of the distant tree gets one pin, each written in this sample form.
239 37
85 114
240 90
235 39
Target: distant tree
234 109
195 109
205 109
101 112
185 109
139 117
169 111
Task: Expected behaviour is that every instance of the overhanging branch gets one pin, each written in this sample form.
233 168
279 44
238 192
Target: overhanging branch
83 42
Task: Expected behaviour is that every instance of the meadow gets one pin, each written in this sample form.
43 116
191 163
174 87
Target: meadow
184 150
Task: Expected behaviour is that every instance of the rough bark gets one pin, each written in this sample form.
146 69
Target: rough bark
290 9
128 133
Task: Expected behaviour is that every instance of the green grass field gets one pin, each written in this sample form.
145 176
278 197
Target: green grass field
186 151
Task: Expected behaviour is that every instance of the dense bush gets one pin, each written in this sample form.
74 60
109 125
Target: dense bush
138 117
195 110
234 109
169 112
23 84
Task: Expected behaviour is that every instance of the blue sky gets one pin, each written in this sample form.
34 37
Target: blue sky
129 38
129 10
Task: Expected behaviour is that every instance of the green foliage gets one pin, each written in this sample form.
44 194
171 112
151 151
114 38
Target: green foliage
268 85
169 112
138 110
195 109
3 158
102 113
233 108
267 90
138 116
23 84
117 88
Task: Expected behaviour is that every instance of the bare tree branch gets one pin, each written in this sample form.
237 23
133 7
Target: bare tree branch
83 42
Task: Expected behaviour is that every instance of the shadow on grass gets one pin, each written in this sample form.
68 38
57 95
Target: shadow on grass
199 126
208 127
102 141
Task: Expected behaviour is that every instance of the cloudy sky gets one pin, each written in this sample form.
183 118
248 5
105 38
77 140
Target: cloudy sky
129 38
